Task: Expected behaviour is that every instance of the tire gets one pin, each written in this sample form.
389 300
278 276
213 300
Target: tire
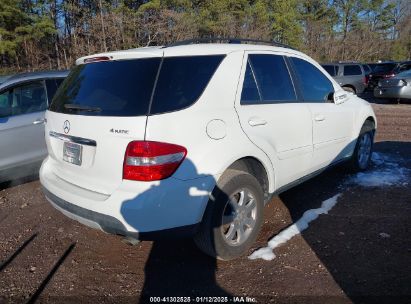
349 89
221 236
361 158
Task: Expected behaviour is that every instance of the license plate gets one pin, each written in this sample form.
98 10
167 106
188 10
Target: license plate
72 153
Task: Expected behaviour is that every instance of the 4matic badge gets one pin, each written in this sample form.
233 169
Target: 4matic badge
119 131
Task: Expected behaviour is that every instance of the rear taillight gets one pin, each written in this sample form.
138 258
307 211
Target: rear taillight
151 160
366 79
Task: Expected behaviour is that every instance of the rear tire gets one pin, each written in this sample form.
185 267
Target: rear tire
361 158
233 217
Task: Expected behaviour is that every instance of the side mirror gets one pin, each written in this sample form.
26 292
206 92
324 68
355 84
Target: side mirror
338 97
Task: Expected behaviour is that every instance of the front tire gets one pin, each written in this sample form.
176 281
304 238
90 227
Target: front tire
233 217
361 157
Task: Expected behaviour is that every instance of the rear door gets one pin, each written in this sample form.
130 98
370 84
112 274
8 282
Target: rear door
273 118
96 112
331 123
22 124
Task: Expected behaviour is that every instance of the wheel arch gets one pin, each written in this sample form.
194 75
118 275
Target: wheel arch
349 86
255 167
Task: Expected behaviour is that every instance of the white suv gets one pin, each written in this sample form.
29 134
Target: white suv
194 139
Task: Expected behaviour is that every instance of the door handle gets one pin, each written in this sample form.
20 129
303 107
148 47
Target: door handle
319 118
38 121
257 122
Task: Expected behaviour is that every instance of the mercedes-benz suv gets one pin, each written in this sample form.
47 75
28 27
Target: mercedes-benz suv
193 139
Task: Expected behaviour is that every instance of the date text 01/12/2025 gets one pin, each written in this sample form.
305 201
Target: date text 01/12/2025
203 299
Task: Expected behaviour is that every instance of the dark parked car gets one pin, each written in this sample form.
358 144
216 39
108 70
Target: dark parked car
387 70
351 76
24 98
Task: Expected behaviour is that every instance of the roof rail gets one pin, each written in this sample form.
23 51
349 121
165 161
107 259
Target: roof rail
226 40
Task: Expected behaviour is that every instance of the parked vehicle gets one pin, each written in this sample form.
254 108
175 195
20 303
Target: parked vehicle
397 87
193 139
387 70
24 99
372 66
350 76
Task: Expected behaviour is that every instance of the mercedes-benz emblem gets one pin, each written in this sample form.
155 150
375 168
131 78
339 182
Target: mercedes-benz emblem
66 126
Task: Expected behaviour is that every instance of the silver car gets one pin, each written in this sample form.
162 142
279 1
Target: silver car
397 87
351 76
24 99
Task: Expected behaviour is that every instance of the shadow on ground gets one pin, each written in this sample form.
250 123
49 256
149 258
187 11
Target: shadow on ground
368 267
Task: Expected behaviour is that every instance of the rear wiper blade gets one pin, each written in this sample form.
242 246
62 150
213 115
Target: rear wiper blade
72 106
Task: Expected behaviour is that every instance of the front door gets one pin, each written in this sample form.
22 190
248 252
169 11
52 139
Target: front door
332 123
22 124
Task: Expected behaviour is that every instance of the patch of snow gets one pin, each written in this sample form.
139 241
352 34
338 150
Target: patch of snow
386 172
266 253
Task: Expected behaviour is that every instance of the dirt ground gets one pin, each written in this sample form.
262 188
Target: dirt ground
358 253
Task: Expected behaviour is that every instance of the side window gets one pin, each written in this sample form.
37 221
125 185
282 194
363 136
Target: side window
249 94
24 99
272 78
6 98
352 70
182 80
315 86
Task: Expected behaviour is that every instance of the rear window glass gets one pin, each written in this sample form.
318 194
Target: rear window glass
330 69
350 70
112 88
125 88
383 68
181 81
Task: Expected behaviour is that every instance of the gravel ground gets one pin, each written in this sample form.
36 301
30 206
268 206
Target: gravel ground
359 252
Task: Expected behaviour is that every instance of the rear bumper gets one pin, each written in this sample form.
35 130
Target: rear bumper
142 210
112 225
393 92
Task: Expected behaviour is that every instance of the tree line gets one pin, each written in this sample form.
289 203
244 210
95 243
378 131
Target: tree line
51 34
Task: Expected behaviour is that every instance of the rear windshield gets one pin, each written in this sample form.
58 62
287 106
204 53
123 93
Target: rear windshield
383 68
125 88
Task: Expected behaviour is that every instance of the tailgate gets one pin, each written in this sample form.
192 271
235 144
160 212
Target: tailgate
91 153
98 109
